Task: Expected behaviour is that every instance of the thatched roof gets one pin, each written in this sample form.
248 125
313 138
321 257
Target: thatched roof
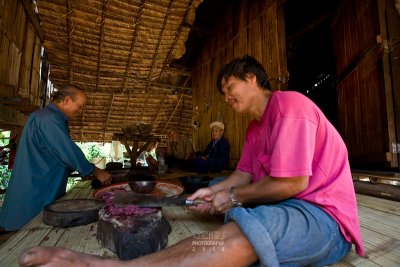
120 53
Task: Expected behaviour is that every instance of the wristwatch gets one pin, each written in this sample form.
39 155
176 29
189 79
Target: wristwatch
235 203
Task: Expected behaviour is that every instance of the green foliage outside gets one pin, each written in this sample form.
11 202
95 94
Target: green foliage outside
92 150
5 173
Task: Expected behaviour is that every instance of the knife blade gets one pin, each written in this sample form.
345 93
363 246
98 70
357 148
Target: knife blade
122 199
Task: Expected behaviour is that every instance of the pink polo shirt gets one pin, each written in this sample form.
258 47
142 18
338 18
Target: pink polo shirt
294 138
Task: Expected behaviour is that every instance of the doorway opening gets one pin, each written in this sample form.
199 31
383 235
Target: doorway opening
311 60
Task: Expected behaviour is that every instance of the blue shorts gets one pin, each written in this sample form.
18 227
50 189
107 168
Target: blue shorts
291 233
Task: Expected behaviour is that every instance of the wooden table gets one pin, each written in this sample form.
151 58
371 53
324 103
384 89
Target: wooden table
133 153
184 223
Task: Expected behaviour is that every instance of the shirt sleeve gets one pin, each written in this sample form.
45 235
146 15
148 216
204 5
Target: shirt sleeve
292 147
54 134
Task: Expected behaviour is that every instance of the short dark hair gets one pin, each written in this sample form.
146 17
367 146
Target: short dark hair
241 68
67 90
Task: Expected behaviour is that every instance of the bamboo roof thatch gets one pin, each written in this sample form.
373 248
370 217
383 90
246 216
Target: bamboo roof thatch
120 53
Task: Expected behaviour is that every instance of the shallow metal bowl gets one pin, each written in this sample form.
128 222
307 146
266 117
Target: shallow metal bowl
142 187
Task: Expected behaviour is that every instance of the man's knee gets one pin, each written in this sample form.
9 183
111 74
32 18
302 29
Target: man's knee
233 236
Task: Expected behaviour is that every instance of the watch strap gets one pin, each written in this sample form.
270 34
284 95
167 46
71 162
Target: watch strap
232 195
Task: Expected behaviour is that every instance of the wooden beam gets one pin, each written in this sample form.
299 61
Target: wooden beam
68 7
176 71
159 110
33 18
178 33
172 114
159 40
127 106
385 191
393 34
117 75
387 75
82 123
108 118
7 90
133 43
144 107
103 18
11 117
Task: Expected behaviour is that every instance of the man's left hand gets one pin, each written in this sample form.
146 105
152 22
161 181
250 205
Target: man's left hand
221 202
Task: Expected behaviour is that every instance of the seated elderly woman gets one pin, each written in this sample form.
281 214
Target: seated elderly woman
216 156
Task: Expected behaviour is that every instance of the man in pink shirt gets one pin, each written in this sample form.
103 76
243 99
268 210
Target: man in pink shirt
290 202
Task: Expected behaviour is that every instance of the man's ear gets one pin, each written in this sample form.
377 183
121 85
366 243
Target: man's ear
67 99
253 79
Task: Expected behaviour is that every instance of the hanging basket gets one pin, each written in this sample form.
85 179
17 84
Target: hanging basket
196 123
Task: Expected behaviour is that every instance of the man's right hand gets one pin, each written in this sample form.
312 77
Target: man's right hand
103 176
205 194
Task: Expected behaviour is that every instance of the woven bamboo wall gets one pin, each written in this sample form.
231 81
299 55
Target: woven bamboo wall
365 116
255 28
20 47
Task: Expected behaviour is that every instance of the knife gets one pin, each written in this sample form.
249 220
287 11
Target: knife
122 199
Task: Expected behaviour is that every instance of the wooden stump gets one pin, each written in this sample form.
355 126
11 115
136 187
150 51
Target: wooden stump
133 236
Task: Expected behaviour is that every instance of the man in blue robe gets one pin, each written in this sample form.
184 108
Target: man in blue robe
45 156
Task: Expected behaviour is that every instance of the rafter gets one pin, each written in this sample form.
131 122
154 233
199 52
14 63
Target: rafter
178 33
33 18
134 36
117 75
69 33
156 53
159 110
159 39
103 17
108 118
172 114
127 107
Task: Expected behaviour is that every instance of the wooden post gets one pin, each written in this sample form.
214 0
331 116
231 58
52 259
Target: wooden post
388 74
393 38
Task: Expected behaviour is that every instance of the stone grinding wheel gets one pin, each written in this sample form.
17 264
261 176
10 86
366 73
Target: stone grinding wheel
72 212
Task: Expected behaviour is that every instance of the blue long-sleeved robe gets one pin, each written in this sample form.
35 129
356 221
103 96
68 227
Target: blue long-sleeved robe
45 156
217 157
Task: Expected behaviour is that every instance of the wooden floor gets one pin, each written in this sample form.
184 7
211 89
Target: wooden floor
379 220
380 229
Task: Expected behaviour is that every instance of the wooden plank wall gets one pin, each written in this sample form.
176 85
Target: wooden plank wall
20 48
363 111
255 28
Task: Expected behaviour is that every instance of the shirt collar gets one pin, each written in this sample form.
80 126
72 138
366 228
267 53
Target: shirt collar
57 110
216 141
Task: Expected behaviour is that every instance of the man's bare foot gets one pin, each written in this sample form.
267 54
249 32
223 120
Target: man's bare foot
52 256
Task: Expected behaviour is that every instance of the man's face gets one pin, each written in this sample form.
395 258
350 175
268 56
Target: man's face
237 92
216 132
72 108
173 135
